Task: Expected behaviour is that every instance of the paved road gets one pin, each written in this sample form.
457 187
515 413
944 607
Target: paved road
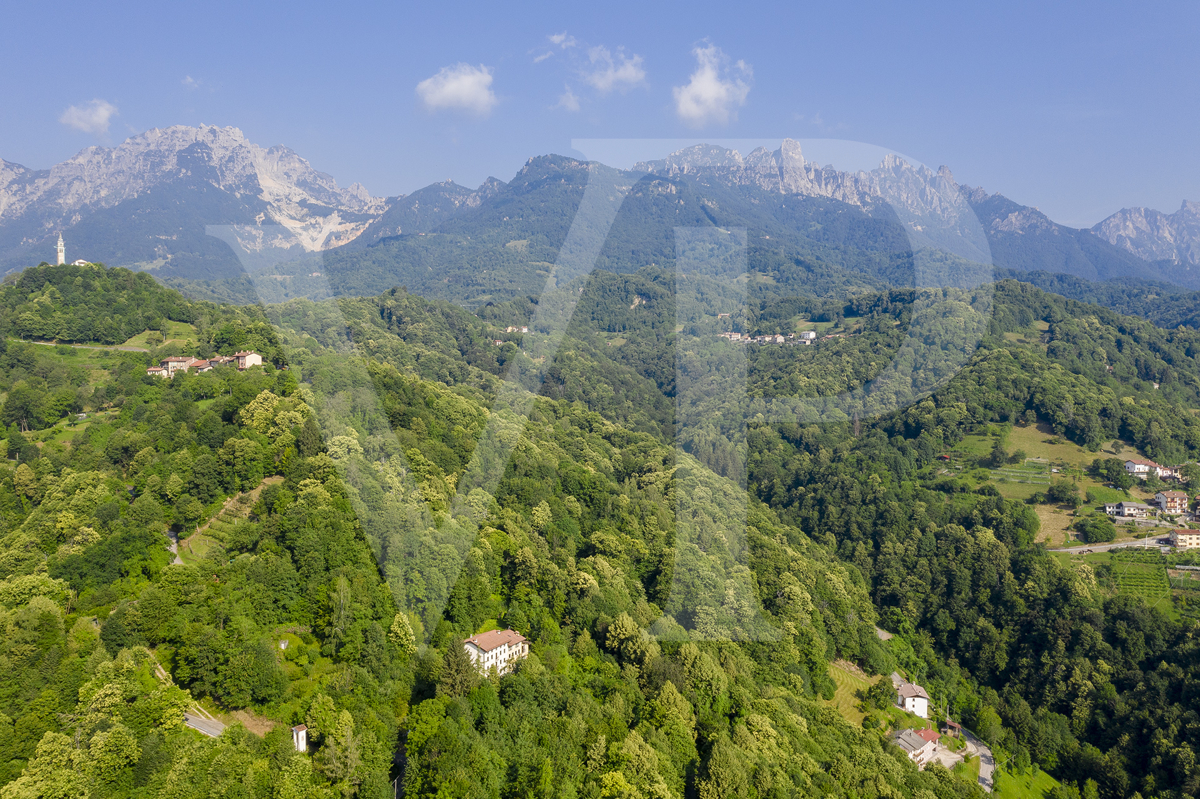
987 763
209 727
1145 542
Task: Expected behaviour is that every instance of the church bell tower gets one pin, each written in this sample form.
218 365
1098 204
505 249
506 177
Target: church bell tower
62 251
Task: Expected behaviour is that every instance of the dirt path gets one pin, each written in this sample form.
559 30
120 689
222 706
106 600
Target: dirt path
116 347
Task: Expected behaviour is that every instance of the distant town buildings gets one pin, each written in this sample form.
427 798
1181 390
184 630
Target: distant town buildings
744 339
496 650
168 367
807 337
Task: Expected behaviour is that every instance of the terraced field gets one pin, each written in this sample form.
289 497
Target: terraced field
223 527
1149 580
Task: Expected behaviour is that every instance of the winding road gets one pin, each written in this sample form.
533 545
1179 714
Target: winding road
987 763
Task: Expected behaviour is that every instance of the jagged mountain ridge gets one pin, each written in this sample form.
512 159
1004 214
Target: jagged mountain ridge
1018 237
146 204
1154 235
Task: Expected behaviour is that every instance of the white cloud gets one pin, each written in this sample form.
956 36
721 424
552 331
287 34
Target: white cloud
90 117
462 87
715 89
568 100
563 41
190 82
607 73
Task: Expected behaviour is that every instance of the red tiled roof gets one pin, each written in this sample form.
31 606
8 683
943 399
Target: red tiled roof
929 735
1140 462
494 639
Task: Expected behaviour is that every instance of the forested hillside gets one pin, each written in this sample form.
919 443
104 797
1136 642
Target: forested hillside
108 642
336 544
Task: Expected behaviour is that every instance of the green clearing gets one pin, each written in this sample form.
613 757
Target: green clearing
967 770
193 548
1034 785
1022 491
1106 494
801 325
1039 441
176 333
1047 457
845 699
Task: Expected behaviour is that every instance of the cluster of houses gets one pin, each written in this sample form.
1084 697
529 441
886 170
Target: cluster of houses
1142 468
496 650
168 367
1172 503
499 342
807 337
921 746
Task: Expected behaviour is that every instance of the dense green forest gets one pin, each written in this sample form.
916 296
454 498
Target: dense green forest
336 540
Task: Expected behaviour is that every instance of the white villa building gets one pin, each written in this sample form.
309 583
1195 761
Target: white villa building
496 650
911 696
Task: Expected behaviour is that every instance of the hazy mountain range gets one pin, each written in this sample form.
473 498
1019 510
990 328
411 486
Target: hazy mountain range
147 204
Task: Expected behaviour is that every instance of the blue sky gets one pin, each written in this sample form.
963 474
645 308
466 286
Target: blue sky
1079 109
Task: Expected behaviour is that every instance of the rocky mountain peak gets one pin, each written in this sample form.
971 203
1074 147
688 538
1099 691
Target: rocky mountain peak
1156 236
310 204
